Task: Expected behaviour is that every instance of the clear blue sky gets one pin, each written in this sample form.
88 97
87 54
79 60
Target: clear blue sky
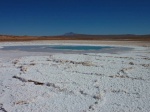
56 17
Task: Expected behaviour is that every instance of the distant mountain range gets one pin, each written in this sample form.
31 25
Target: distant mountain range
70 34
75 36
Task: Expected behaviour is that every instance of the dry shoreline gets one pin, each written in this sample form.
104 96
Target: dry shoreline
92 42
132 43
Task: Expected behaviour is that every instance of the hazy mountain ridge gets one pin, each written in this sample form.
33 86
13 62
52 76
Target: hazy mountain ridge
75 36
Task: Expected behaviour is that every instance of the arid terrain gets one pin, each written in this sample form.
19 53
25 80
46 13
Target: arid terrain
77 37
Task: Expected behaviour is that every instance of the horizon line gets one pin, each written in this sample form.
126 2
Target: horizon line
74 34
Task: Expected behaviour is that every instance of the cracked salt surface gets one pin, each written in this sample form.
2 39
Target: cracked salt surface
92 82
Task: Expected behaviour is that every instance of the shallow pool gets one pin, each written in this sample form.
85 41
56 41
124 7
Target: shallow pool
65 48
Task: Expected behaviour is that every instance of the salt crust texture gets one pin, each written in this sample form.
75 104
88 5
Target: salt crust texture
91 82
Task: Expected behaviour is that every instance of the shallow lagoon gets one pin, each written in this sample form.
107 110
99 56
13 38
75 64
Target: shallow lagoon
67 48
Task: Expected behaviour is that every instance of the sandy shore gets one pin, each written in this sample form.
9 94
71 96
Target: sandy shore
91 82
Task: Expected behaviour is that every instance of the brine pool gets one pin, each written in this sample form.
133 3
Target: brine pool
66 48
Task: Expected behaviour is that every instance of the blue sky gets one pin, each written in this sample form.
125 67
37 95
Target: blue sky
56 17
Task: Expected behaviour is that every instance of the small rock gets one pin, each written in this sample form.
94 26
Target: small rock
131 63
97 96
32 64
87 64
91 107
145 65
96 102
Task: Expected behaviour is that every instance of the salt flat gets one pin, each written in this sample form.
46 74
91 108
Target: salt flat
89 82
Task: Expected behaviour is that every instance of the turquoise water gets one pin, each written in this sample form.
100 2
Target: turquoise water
79 47
64 48
55 47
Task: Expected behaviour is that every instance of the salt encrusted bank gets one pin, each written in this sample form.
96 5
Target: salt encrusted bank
91 82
